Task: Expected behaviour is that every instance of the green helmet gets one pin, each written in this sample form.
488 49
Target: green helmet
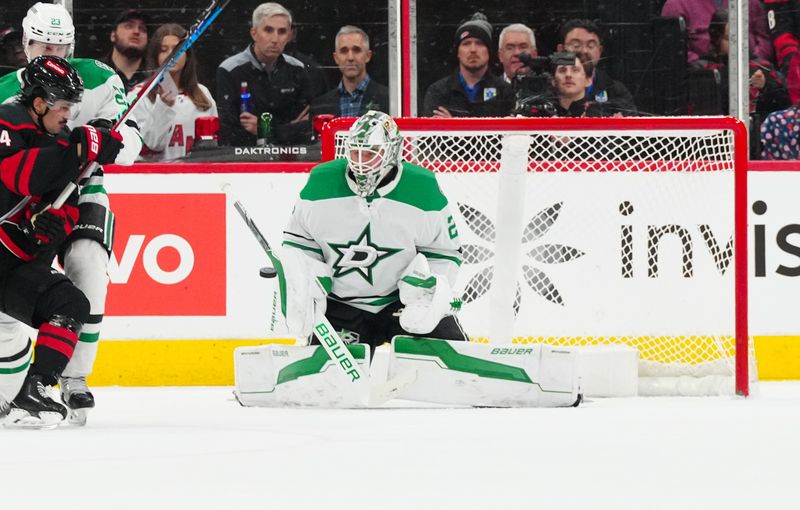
372 149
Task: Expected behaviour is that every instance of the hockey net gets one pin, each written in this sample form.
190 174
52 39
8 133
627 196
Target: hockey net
599 231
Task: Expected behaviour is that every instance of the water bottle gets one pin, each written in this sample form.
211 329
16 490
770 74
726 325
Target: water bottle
264 128
246 104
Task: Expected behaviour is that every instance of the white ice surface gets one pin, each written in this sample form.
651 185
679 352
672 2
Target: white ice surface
196 448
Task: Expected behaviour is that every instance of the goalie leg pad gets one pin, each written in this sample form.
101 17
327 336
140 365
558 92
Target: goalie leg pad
294 376
465 373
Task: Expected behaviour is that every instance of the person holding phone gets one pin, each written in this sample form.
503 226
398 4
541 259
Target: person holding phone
167 114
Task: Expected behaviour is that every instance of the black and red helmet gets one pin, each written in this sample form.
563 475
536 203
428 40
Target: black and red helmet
51 78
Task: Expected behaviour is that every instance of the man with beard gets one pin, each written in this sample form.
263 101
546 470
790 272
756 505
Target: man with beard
471 91
129 38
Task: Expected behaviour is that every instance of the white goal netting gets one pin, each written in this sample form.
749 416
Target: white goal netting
596 231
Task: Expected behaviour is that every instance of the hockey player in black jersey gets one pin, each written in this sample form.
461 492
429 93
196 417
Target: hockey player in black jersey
38 157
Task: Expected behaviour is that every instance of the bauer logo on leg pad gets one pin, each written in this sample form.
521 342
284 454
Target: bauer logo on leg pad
336 351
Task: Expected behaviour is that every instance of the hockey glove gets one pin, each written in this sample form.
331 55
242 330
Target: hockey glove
51 227
304 296
427 297
97 143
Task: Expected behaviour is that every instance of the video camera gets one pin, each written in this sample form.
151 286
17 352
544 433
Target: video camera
534 92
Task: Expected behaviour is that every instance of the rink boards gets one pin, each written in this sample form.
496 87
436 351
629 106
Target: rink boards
185 288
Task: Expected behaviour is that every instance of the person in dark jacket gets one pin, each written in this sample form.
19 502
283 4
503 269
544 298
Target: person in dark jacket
277 84
357 93
571 83
583 36
471 91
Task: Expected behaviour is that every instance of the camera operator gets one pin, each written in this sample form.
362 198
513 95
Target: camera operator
570 81
515 39
555 86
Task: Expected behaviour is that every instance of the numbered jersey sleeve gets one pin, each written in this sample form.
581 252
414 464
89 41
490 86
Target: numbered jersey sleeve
104 98
32 163
436 235
443 251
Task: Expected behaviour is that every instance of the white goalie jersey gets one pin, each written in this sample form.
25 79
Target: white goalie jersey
368 243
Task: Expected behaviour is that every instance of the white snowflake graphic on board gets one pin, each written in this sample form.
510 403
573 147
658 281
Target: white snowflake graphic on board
545 253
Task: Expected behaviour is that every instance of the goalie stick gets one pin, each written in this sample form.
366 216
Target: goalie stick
325 332
205 20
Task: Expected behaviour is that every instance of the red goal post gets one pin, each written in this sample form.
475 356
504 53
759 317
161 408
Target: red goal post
600 230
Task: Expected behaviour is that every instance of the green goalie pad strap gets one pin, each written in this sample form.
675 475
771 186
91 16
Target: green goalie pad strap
315 363
446 356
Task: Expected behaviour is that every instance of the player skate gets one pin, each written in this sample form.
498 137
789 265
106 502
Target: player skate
77 397
5 407
34 408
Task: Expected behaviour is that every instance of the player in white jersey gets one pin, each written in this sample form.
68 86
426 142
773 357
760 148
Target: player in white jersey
381 230
48 30
166 116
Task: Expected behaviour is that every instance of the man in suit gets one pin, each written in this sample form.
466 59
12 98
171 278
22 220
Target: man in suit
356 93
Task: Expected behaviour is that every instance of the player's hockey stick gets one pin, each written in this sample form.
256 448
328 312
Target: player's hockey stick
323 330
205 20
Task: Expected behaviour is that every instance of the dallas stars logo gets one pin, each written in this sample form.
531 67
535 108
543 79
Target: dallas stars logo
359 256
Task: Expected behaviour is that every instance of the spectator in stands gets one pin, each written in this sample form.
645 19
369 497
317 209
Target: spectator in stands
583 36
12 56
471 91
697 14
515 39
785 33
571 83
767 89
780 132
357 93
278 84
166 115
129 39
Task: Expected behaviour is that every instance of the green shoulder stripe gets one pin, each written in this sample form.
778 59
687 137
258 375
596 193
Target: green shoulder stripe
93 72
418 188
327 180
9 86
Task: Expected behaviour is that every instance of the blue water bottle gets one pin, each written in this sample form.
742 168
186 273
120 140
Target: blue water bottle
246 104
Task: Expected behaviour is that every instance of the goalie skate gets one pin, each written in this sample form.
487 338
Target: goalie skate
77 397
34 408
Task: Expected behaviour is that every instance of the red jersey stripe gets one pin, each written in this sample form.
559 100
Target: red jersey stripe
9 168
25 175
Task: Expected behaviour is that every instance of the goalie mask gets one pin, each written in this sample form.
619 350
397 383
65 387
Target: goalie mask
372 150
48 25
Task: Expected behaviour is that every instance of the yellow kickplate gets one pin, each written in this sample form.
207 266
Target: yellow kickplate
210 362
168 362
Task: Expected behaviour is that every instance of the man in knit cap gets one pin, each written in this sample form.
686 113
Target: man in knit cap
471 91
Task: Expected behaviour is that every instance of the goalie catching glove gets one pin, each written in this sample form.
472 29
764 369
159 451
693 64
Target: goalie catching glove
427 297
305 283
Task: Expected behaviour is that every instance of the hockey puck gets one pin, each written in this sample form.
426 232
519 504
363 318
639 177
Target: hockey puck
267 272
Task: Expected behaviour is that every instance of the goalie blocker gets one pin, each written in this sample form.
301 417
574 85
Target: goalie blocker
420 369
